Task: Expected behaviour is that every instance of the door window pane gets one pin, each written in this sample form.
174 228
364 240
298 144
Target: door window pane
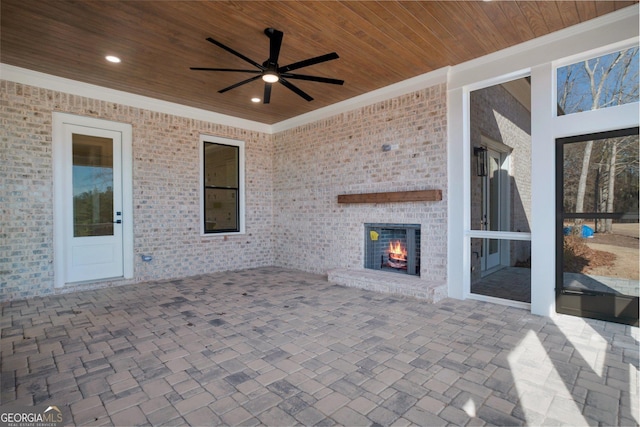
601 175
505 273
500 155
597 226
602 262
92 186
596 83
599 215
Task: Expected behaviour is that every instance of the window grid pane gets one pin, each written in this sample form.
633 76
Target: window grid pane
221 188
597 83
221 209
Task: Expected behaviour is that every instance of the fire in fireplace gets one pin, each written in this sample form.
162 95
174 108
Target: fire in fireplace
393 247
397 256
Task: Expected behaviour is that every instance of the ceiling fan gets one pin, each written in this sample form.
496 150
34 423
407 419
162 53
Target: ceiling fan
271 72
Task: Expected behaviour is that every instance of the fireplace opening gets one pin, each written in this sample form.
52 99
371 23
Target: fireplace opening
393 247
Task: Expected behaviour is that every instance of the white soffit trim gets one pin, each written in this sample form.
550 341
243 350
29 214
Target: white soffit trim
413 84
47 81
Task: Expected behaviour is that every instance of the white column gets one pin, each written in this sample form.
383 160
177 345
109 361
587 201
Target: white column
543 257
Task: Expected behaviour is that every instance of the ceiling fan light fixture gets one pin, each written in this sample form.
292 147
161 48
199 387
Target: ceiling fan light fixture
270 77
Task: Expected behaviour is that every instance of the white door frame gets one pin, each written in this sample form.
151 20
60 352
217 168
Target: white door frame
60 164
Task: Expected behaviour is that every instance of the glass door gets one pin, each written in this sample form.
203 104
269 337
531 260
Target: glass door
597 226
499 192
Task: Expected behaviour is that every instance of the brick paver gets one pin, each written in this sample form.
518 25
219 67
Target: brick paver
281 347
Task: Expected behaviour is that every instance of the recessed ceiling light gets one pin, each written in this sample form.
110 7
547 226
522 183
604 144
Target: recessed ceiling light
112 58
255 99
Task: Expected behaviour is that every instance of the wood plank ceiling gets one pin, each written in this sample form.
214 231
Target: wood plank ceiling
379 43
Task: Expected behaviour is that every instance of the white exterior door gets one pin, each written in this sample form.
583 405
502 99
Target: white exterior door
92 183
94 200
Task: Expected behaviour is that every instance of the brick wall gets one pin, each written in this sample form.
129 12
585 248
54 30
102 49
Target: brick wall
343 154
165 192
293 179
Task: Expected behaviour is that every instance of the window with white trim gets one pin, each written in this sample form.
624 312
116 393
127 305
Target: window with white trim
222 195
601 82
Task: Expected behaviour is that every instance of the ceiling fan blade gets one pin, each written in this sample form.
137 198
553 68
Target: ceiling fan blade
295 89
267 93
239 84
226 69
308 62
238 54
313 78
275 42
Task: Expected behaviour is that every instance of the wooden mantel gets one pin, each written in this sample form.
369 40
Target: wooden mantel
392 197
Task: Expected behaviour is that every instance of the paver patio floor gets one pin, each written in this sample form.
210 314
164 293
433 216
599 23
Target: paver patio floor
280 347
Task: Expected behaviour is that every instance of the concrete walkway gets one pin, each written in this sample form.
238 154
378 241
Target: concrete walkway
280 347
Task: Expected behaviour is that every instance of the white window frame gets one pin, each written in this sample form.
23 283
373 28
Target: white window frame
593 121
584 56
204 138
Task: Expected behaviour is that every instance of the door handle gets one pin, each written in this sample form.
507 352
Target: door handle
117 221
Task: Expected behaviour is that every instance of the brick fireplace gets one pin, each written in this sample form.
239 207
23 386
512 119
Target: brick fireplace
393 247
392 264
